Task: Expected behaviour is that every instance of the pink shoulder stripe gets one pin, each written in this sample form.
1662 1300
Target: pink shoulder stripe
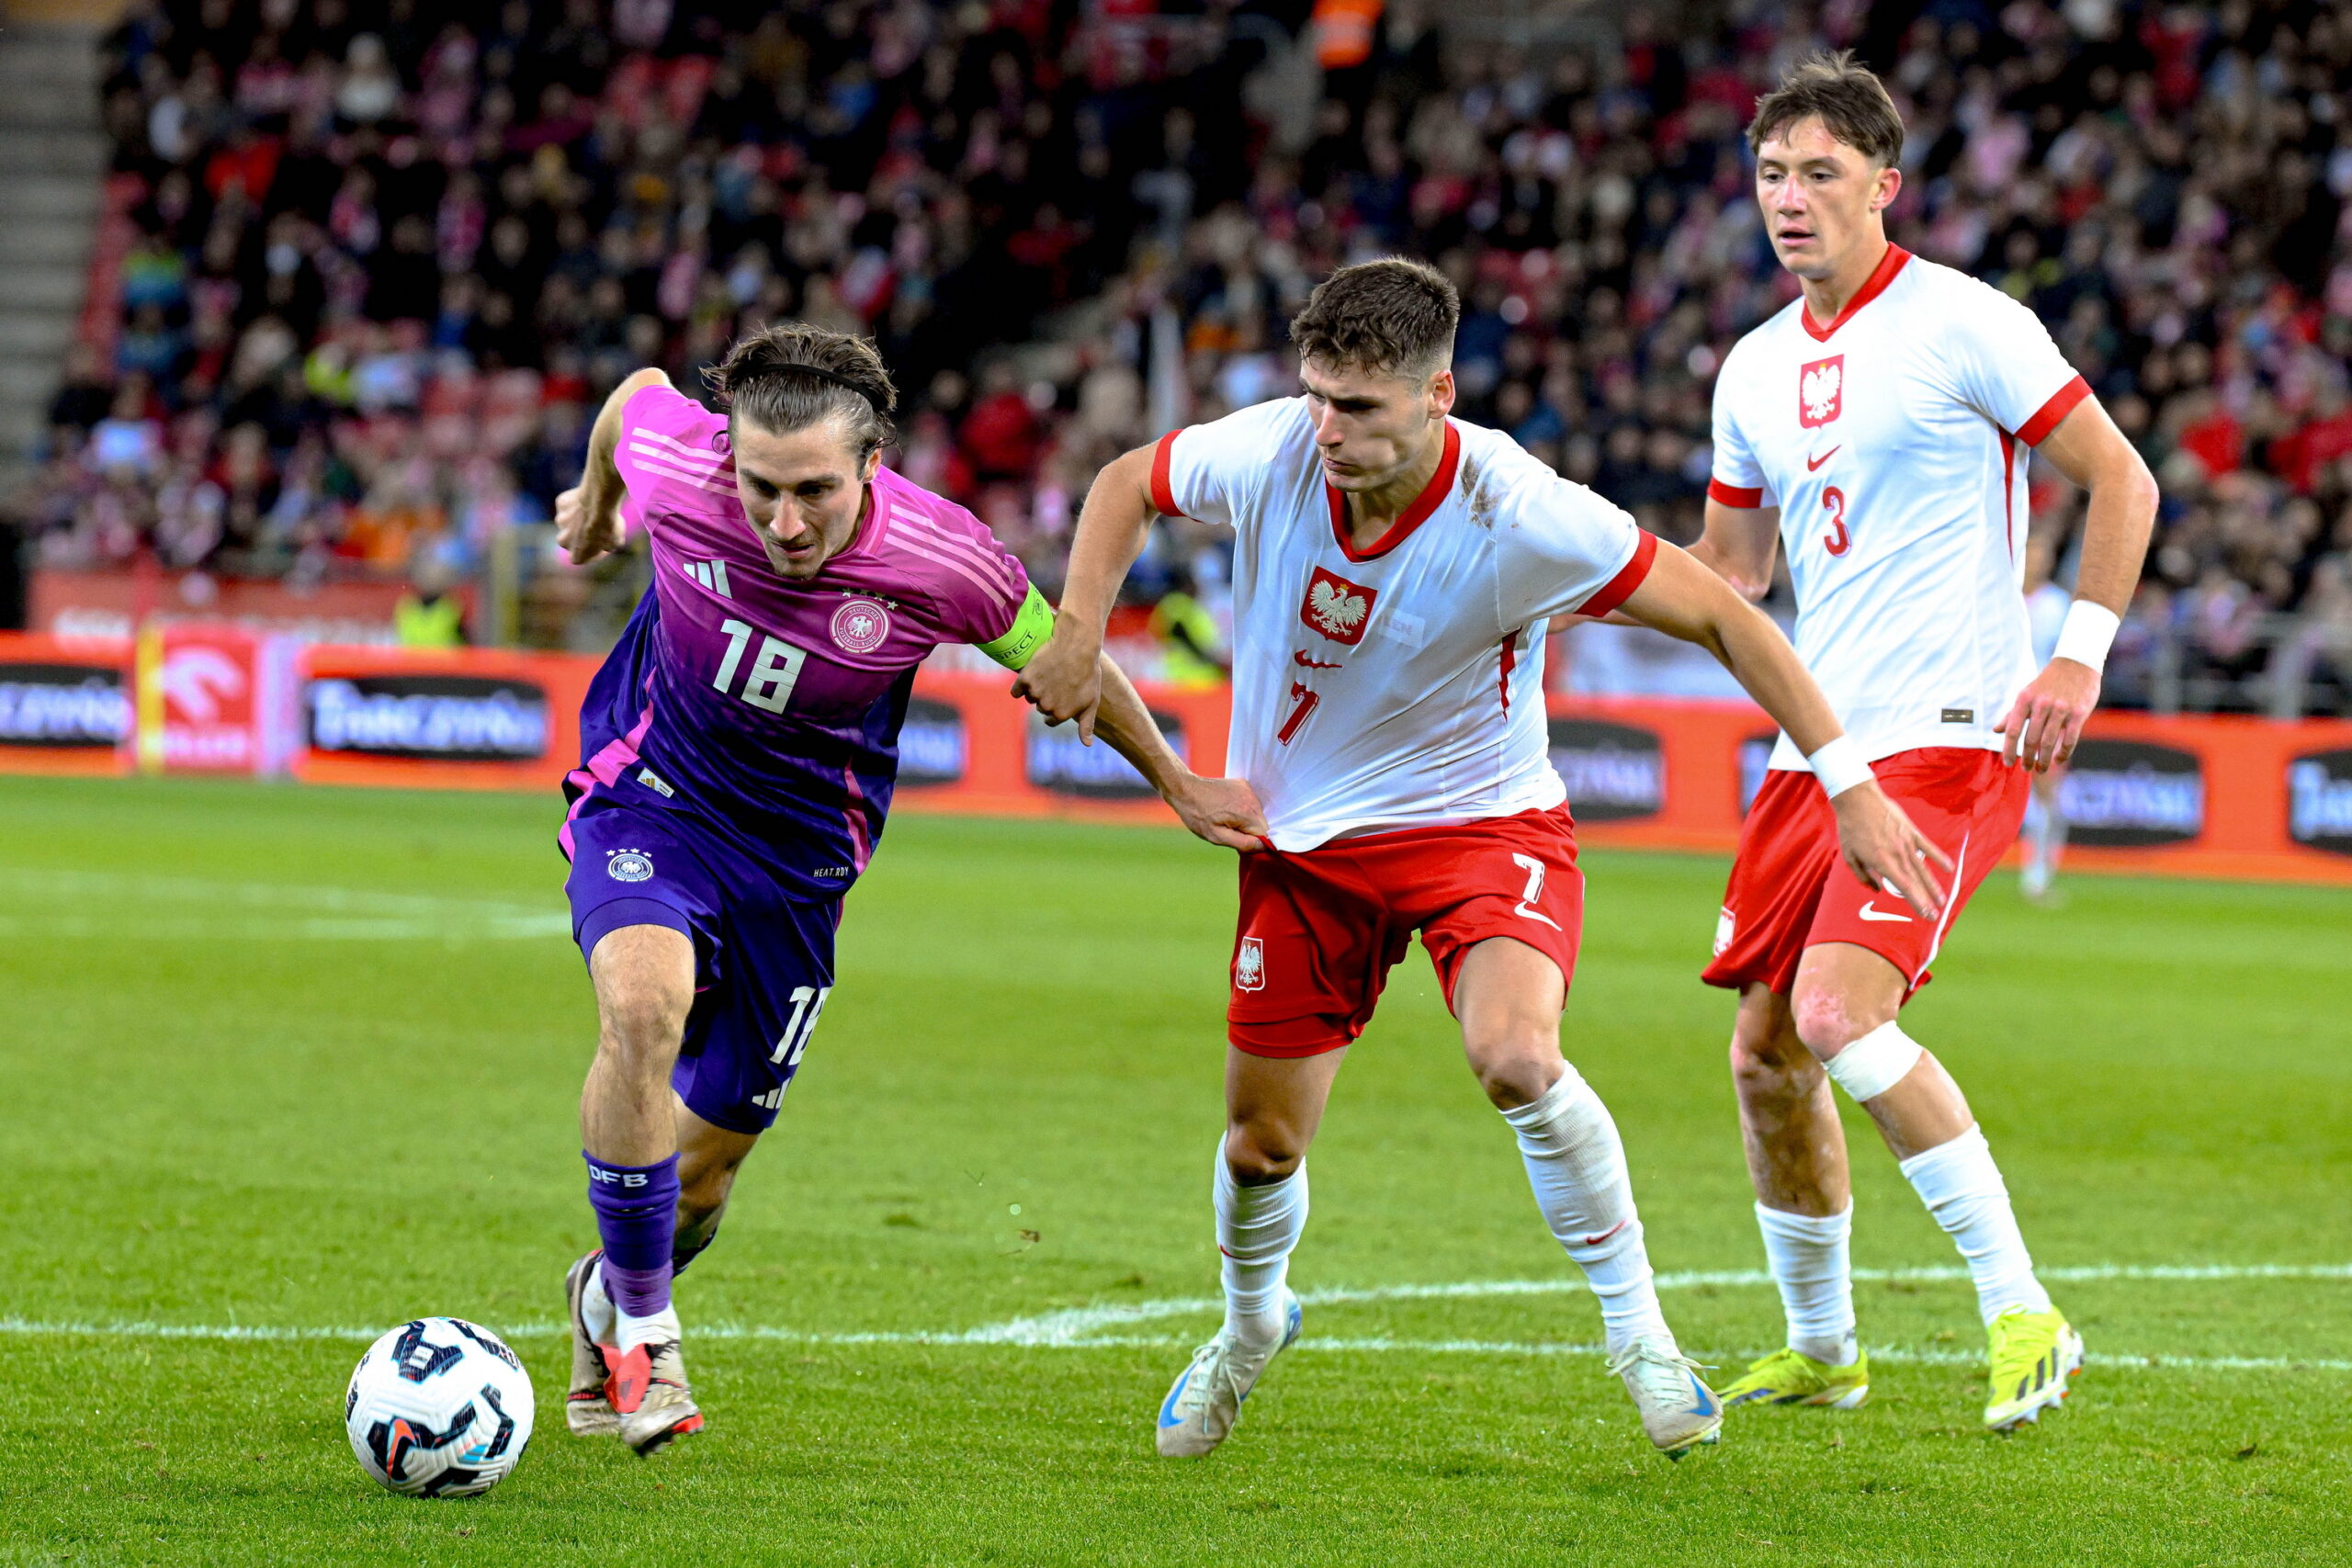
699 454
661 469
971 549
996 592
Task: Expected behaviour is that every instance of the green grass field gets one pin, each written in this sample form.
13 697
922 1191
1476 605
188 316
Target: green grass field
282 1067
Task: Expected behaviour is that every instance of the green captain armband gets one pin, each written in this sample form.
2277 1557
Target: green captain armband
1032 624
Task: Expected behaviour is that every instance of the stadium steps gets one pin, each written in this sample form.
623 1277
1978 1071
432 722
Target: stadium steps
52 158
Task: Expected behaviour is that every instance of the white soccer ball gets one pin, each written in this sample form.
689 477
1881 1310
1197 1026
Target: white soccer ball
439 1407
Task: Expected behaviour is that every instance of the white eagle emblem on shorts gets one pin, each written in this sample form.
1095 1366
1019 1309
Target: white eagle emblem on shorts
628 866
1820 386
860 626
1250 966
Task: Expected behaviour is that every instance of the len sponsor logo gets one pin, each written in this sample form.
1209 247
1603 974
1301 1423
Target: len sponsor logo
2133 793
62 705
2319 801
455 718
1056 759
932 749
1616 772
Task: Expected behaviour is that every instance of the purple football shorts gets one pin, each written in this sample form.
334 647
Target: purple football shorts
763 960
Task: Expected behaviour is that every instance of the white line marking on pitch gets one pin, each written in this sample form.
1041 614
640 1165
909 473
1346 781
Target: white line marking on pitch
1082 1327
246 911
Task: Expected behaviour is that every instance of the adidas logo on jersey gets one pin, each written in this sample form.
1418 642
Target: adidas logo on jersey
1337 608
1821 391
711 574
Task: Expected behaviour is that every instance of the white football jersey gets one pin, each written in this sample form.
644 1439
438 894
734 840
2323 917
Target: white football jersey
1893 440
1401 686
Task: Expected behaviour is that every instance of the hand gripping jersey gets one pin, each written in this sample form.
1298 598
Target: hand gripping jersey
769 709
1401 686
1893 440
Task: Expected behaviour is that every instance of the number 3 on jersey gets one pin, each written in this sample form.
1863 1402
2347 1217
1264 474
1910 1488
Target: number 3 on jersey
1836 541
773 674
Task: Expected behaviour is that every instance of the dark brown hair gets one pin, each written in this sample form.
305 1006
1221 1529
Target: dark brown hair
791 375
1390 315
1850 98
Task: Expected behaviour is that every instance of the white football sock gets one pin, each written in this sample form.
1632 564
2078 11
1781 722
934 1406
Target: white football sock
660 1328
1809 1260
597 1308
1256 1229
1963 1191
1577 1166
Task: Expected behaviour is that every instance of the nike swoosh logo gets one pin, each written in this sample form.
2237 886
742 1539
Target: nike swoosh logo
1871 912
1812 463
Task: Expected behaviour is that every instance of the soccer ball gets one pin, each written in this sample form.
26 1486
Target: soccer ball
439 1407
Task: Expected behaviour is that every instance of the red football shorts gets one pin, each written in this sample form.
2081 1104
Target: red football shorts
1791 889
1320 930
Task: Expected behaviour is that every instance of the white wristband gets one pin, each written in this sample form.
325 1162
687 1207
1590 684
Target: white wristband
2089 633
1839 766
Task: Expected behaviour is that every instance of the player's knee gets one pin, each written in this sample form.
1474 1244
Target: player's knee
1768 1057
1262 1152
1826 1023
1516 1058
641 1026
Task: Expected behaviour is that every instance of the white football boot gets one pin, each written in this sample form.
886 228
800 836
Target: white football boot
1678 1411
1205 1400
587 1409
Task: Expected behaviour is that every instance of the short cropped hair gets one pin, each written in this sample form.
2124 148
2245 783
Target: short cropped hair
1849 99
1385 316
791 375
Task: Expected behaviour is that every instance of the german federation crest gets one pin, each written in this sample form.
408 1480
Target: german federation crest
860 626
628 866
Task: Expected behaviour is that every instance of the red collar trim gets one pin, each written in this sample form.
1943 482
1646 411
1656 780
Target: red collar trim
1432 494
1872 286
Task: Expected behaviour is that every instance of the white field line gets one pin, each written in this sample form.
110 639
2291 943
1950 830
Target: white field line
1085 1327
246 911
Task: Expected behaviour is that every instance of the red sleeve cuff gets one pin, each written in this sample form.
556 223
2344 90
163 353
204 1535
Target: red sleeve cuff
2045 420
1619 588
1162 496
1732 495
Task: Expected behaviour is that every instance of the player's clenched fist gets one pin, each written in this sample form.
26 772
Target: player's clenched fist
1064 679
1884 850
585 532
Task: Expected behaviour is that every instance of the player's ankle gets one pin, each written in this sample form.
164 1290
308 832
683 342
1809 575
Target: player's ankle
1257 1328
656 1328
1828 1352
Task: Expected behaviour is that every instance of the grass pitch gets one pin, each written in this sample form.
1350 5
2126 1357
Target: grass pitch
282 1067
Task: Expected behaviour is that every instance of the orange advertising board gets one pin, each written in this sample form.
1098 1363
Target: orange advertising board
2192 796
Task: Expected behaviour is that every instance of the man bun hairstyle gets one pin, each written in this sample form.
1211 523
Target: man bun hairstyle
1390 315
791 375
1849 98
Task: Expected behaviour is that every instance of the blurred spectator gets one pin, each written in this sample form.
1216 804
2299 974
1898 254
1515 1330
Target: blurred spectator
411 246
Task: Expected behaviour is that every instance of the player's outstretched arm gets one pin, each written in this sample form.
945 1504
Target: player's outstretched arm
1064 679
1684 599
1223 811
588 515
2042 725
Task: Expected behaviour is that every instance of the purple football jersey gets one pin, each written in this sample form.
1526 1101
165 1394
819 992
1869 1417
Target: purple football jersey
769 708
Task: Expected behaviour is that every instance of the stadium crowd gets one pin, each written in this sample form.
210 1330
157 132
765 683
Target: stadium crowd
388 257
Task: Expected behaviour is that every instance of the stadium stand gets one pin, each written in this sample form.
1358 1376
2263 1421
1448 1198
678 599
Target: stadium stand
361 271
